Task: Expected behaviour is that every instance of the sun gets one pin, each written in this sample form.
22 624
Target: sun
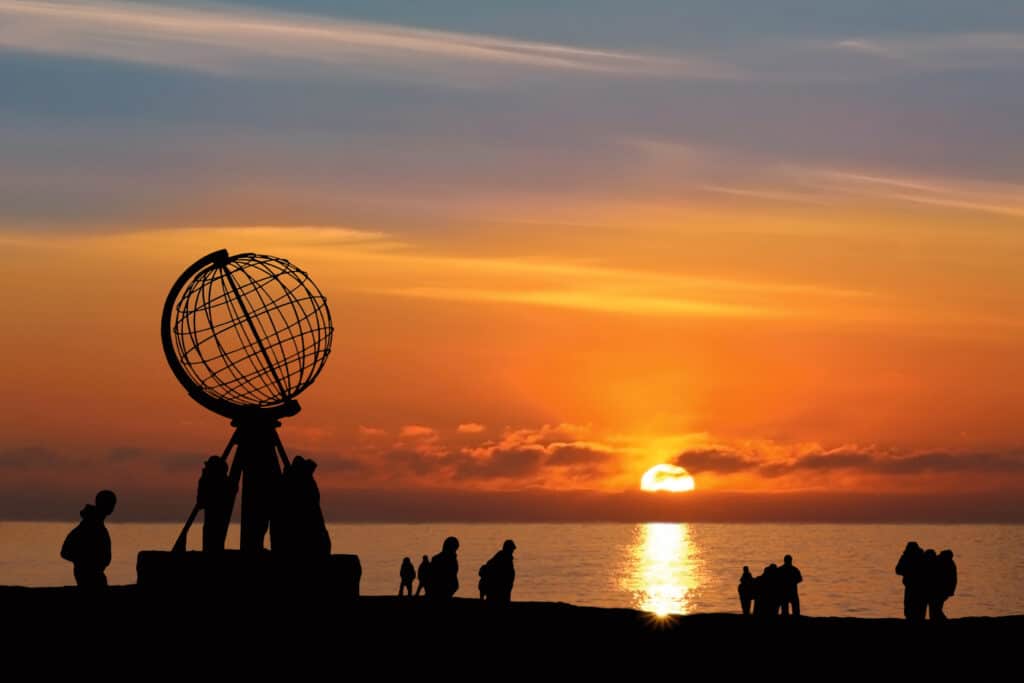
667 478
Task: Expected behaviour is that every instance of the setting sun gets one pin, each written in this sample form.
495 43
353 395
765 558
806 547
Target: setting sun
667 478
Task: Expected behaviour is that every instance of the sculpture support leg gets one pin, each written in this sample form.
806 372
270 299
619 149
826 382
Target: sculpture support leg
260 478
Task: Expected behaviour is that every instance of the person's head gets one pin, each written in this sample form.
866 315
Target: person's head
787 560
930 554
746 569
912 547
105 502
508 546
216 465
426 559
406 560
451 544
946 554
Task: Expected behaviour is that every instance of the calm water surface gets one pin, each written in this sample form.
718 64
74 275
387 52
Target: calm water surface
662 568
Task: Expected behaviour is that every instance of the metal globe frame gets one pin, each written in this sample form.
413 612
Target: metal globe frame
253 408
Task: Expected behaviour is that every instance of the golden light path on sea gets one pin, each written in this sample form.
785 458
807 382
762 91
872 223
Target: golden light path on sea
663 569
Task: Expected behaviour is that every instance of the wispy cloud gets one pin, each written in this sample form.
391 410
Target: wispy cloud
228 41
598 301
1001 199
942 51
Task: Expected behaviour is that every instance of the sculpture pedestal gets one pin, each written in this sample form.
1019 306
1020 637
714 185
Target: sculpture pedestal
234 571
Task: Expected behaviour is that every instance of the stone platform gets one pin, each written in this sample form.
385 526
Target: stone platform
233 570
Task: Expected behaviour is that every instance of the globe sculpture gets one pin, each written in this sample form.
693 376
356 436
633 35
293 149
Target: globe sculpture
245 335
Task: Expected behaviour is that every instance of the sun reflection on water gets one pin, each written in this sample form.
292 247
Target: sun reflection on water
662 569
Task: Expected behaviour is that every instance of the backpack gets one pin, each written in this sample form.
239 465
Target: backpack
70 549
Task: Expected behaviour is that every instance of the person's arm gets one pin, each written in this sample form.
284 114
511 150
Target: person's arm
104 556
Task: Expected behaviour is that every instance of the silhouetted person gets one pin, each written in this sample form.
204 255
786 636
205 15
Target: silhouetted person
766 601
216 497
944 585
498 575
421 575
87 546
444 571
407 573
746 589
299 528
788 577
915 594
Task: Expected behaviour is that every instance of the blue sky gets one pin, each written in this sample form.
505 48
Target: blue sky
107 122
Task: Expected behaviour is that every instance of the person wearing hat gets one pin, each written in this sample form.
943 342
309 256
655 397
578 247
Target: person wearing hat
498 575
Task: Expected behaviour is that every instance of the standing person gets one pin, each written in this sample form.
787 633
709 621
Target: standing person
498 575
215 497
407 574
789 576
298 528
87 546
422 574
444 571
910 567
746 590
766 602
945 584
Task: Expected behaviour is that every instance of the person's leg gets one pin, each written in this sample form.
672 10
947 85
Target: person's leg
796 604
785 607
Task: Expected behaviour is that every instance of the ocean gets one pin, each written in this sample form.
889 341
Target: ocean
848 569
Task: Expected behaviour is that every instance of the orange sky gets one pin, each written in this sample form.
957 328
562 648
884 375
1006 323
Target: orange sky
572 363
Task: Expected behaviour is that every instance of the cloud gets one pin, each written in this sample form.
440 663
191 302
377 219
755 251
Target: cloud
371 432
716 461
417 432
571 455
605 302
546 455
235 41
770 464
470 428
500 464
941 51
1000 199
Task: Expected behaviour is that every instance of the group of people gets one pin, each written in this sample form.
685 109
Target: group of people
296 521
774 591
929 579
438 577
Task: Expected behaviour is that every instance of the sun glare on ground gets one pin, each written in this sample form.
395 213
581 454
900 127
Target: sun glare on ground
667 478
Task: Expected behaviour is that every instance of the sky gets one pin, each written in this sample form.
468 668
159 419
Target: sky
775 243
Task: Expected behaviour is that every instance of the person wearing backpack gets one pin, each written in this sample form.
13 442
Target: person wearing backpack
87 546
498 575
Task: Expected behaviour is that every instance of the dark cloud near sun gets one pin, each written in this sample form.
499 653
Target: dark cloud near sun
724 461
500 464
523 456
713 460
